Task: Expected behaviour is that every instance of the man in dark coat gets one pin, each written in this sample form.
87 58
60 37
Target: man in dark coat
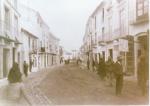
118 70
31 64
142 74
101 68
25 67
110 71
14 75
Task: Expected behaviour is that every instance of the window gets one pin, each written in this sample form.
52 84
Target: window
15 3
29 42
15 25
103 15
141 8
103 29
122 22
95 37
7 19
95 22
110 27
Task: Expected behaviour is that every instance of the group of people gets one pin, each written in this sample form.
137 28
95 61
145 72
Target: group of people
112 73
15 75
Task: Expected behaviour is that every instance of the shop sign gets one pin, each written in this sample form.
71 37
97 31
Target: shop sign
123 45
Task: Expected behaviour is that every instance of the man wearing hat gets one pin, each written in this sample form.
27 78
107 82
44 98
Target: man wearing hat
118 71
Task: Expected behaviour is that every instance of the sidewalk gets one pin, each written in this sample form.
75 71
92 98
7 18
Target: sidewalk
32 95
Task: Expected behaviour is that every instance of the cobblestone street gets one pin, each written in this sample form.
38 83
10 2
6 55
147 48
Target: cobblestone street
69 84
73 85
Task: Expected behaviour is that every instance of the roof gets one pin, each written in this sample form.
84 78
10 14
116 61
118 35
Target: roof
32 35
97 8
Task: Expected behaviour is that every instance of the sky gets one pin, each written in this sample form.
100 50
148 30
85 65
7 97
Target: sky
66 18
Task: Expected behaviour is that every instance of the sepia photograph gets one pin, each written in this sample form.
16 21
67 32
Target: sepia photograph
74 52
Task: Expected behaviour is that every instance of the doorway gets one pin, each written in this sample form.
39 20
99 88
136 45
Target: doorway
111 53
5 62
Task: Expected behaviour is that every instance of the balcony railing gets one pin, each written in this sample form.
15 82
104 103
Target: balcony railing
117 33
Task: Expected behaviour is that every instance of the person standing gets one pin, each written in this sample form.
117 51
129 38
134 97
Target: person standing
25 67
142 74
101 68
109 71
30 64
14 75
93 65
118 70
14 89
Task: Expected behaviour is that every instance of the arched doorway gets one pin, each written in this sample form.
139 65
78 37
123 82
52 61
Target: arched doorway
142 46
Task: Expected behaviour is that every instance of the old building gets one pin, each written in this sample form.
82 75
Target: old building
40 45
30 32
53 50
118 27
10 38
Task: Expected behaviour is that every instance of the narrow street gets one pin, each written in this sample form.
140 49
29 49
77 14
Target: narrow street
71 85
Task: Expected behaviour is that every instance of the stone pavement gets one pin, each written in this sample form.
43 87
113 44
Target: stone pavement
31 94
72 85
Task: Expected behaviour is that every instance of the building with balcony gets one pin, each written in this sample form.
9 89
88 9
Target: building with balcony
119 27
53 50
30 32
139 28
10 39
40 45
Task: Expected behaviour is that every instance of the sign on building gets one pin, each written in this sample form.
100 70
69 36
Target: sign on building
123 45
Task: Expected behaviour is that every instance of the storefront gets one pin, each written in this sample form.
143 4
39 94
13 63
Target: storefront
141 46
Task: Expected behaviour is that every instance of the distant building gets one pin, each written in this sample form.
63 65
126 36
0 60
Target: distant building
40 45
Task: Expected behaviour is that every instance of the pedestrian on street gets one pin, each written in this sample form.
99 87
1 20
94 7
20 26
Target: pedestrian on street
25 68
118 70
93 65
78 61
88 64
110 71
61 60
14 75
142 74
101 68
14 89
30 65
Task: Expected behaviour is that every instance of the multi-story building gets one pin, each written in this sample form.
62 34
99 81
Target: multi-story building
139 28
53 50
30 32
87 43
40 45
119 27
10 38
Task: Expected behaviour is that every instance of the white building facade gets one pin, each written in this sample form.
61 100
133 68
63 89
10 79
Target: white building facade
40 46
119 27
10 38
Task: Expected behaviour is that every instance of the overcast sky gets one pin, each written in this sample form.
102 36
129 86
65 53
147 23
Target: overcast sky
66 18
